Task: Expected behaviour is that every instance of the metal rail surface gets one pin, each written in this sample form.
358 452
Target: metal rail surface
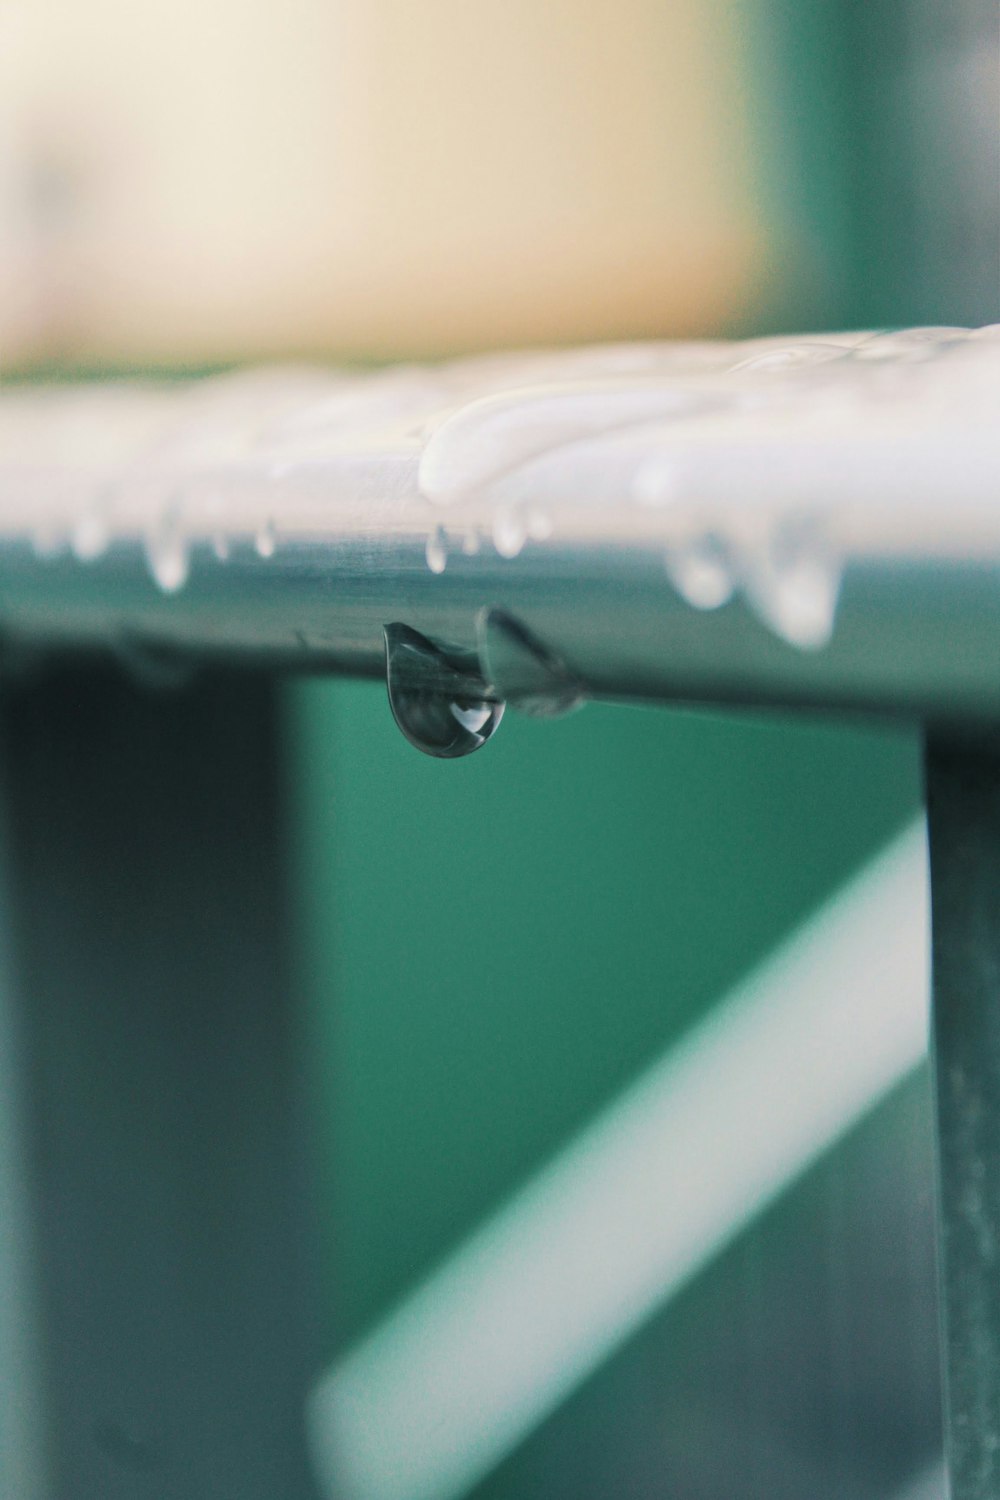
805 522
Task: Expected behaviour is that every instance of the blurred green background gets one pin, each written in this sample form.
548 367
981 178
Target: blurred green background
497 946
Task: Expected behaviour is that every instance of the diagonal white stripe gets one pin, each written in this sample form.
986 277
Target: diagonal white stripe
543 1292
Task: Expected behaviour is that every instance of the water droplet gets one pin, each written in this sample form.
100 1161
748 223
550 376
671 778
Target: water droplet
436 550
509 531
527 674
794 582
442 708
167 549
698 567
91 533
539 525
266 539
471 543
215 513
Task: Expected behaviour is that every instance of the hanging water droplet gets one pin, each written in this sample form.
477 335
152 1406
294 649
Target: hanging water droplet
442 708
509 531
91 532
471 543
794 583
167 550
436 550
539 525
699 570
266 539
523 671
215 513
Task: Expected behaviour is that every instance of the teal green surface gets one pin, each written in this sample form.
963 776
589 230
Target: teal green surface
801 104
494 947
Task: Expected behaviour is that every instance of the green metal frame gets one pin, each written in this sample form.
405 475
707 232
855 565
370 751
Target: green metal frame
170 1191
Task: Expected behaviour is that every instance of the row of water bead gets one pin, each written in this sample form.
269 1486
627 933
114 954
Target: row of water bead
412 399
502 431
168 547
789 572
482 443
411 404
559 398
791 579
167 539
510 528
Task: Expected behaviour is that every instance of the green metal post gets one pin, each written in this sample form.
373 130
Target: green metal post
963 799
167 1197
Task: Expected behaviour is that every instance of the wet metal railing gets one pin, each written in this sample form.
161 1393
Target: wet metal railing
810 523
805 523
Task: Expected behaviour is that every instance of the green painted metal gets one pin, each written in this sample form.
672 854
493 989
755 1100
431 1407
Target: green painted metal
167 1187
963 802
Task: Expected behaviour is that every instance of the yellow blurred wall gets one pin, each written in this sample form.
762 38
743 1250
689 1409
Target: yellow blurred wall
196 179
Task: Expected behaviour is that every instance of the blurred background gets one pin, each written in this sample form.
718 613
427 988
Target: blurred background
494 955
189 183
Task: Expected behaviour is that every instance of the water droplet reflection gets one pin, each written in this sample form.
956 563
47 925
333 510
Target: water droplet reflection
441 709
524 671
